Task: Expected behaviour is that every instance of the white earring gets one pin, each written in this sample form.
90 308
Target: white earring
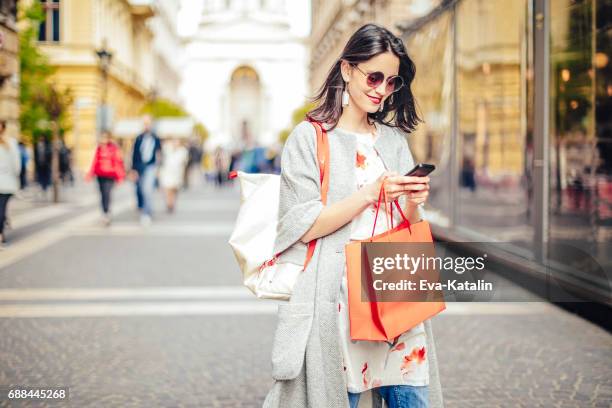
345 97
382 106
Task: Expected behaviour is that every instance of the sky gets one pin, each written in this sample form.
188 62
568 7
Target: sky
299 16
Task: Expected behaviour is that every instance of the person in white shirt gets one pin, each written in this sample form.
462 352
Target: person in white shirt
10 167
172 171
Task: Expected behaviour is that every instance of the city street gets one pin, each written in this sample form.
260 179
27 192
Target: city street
129 316
502 104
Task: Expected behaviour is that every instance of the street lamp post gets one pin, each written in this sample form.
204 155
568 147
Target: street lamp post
104 60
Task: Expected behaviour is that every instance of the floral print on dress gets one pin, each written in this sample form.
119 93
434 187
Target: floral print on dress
365 375
360 162
368 167
417 356
371 364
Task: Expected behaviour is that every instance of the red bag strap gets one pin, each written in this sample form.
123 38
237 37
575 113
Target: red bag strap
382 195
323 160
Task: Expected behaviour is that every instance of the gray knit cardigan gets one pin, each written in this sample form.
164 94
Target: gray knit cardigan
306 355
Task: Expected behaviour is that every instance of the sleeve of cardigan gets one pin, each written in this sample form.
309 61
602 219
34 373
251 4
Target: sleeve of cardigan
300 192
407 162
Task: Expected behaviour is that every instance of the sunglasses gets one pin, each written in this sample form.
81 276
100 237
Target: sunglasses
374 79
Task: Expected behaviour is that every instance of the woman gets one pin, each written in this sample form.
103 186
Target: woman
10 167
172 171
367 107
107 166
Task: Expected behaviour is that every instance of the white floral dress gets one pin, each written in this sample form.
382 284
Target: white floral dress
370 364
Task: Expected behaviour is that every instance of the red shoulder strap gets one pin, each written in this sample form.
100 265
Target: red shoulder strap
323 160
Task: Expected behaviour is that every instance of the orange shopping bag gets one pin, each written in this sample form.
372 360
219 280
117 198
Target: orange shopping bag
385 320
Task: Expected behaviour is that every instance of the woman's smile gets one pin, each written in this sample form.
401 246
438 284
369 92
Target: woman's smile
374 99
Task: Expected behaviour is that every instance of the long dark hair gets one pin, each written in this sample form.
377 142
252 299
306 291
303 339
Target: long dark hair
367 42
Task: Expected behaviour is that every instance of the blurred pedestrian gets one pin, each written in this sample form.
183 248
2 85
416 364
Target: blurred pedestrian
42 160
65 163
174 162
10 167
221 166
468 171
107 166
234 162
195 156
25 158
145 158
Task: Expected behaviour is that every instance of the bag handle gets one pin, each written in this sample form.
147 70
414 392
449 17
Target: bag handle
323 160
382 195
399 208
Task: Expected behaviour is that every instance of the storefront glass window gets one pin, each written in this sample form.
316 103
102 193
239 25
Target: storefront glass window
494 181
580 128
431 50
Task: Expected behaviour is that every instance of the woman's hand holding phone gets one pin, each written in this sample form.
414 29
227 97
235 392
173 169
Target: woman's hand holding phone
415 188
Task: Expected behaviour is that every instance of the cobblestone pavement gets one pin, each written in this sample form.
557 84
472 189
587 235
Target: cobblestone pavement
156 317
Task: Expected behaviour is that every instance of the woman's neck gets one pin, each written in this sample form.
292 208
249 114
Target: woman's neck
354 120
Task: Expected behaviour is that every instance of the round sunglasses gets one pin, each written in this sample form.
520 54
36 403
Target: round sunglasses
374 79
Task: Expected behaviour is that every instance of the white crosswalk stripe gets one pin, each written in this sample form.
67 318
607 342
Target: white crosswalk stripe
147 293
222 229
172 301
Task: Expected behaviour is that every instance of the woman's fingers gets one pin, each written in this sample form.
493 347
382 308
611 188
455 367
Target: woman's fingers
416 197
418 194
416 189
395 187
410 179
397 179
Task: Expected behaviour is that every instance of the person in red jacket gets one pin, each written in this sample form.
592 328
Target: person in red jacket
107 166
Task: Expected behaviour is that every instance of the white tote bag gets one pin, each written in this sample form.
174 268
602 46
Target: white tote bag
254 234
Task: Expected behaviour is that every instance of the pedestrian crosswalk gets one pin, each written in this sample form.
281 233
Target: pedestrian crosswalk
210 229
46 237
176 301
122 294
206 218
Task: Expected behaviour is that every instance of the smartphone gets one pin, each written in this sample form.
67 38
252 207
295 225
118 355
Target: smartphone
421 170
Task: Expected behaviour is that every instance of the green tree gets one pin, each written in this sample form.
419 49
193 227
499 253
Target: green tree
160 108
201 131
44 107
42 103
297 116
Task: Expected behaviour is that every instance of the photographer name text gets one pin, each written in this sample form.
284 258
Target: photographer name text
424 285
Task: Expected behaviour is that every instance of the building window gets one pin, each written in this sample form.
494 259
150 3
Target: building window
50 26
8 9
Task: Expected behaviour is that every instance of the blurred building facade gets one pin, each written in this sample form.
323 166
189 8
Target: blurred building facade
516 101
167 49
73 34
9 66
245 72
334 21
